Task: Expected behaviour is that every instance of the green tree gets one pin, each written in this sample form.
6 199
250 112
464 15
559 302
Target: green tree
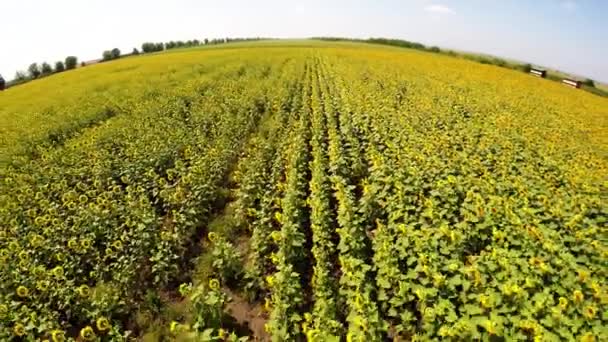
46 68
20 76
59 66
115 53
71 62
106 55
589 82
33 70
135 52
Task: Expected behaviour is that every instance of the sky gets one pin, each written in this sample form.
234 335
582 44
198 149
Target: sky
569 35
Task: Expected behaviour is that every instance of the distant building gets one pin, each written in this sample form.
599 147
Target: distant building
2 83
538 72
571 83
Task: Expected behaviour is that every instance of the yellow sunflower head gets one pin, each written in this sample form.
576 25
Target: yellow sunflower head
590 312
57 336
19 330
73 244
214 284
22 291
87 333
85 243
563 303
42 285
103 324
58 272
117 244
83 290
578 296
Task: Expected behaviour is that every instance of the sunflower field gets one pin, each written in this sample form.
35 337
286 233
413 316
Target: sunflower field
376 194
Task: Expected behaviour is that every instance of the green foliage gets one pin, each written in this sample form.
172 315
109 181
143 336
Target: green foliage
106 55
59 66
46 69
589 82
34 70
384 193
71 62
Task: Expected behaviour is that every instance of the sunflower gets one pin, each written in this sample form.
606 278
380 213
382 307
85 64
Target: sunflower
73 244
117 244
57 336
83 290
174 326
590 312
13 245
85 243
103 324
214 284
24 256
39 221
563 303
36 240
22 291
87 333
42 285
270 280
578 296
588 337
276 236
19 330
58 272
212 236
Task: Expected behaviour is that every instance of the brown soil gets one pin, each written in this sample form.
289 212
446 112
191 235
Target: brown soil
248 315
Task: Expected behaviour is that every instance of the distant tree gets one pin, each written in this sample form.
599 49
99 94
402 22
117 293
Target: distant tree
526 67
106 55
589 82
20 76
147 47
46 68
71 62
135 52
206 41
33 70
59 67
435 49
82 64
115 53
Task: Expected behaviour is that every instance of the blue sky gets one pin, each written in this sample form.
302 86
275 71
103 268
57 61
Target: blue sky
570 35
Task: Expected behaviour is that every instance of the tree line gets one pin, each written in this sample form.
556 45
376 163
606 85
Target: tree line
36 70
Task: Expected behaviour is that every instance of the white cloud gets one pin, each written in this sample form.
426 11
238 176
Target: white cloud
437 8
569 5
